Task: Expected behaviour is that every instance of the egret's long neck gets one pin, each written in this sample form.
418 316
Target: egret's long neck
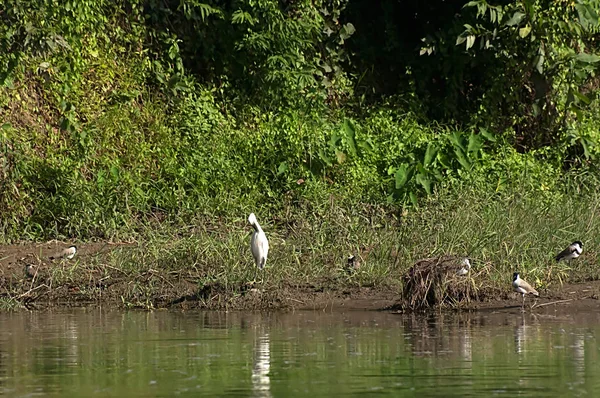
256 227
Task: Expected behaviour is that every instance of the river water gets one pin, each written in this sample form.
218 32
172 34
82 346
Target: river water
91 352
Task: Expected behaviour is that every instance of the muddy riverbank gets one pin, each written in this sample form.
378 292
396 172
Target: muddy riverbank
93 278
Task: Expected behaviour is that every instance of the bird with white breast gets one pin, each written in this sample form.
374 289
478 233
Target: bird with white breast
574 250
259 245
520 286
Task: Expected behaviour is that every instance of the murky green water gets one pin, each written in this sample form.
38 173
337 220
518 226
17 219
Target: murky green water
98 353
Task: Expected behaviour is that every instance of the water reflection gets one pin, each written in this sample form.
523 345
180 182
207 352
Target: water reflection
520 334
86 353
261 384
464 343
441 335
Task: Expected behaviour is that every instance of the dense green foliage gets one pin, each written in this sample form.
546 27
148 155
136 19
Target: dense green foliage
114 113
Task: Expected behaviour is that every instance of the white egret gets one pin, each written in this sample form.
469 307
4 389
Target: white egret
259 245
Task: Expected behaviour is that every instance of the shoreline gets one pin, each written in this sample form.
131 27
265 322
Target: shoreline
89 280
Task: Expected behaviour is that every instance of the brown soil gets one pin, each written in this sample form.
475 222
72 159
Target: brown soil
96 284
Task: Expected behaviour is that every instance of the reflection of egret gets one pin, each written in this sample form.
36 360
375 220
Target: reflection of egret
71 335
464 341
579 352
261 383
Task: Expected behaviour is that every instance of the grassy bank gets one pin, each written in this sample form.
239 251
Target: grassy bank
208 263
165 125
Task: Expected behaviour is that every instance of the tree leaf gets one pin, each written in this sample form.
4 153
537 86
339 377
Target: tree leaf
581 97
326 159
475 144
430 153
462 159
472 4
413 198
524 31
470 41
587 58
402 175
588 17
487 135
340 156
333 140
350 132
515 19
424 182
539 63
347 31
444 160
283 167
457 140
585 144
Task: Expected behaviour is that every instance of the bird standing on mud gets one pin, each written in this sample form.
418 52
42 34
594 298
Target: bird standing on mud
30 270
67 253
573 251
520 286
259 245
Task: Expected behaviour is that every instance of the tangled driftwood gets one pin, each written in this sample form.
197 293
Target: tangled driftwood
435 281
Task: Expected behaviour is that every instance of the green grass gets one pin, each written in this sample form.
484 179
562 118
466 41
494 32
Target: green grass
9 304
502 232
208 257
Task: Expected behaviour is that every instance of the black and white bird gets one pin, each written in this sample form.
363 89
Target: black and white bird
353 264
465 265
30 270
520 286
67 253
259 245
574 250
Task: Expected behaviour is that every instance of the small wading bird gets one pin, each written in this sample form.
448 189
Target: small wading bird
353 264
259 245
573 251
30 270
67 253
465 267
520 286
